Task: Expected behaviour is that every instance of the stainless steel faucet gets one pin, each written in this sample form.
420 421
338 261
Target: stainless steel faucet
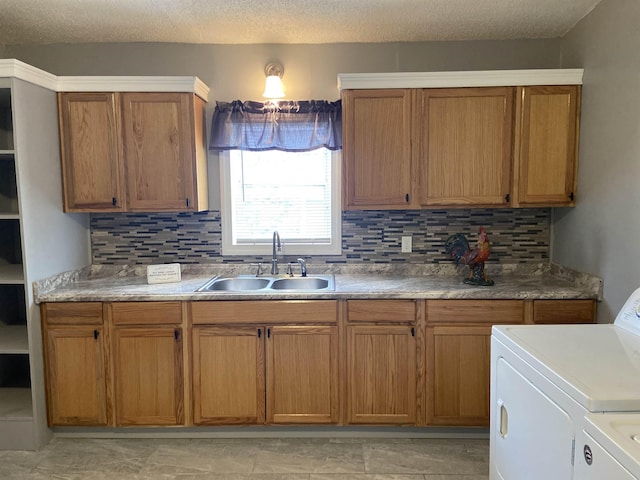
277 247
303 267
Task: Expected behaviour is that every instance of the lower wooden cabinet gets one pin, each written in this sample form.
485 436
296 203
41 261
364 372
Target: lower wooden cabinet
458 357
458 350
148 374
75 364
228 375
302 374
256 373
459 380
76 375
381 362
378 362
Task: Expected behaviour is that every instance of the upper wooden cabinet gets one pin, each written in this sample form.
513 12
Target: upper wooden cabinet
141 152
377 148
93 175
464 153
460 147
546 146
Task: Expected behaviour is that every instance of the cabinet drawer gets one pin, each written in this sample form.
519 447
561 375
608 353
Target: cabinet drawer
146 313
73 313
475 311
393 311
264 312
564 311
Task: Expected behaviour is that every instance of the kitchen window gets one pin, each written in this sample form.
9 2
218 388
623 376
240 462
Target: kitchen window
295 193
280 170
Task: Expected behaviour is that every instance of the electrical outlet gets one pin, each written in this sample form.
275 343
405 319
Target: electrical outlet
406 244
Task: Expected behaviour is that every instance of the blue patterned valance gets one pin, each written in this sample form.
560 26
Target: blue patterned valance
289 126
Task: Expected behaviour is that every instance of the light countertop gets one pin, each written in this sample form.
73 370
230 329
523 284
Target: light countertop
129 283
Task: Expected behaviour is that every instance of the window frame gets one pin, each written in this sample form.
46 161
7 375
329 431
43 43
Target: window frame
333 248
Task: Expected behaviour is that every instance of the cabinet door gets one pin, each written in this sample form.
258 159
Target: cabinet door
76 381
148 376
377 148
92 173
228 375
302 374
382 374
458 369
546 145
465 146
159 151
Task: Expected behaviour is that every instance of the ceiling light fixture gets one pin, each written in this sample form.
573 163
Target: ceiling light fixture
273 84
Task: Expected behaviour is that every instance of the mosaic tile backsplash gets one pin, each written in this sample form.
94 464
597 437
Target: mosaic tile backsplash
516 235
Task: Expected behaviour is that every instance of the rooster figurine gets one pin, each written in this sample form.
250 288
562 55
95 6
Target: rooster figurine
457 247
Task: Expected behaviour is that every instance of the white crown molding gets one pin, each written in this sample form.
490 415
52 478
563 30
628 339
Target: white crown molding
488 78
133 84
17 69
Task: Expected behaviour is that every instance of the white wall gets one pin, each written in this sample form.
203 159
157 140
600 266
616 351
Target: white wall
601 235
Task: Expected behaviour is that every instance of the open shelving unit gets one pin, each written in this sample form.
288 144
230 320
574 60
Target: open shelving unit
37 240
16 406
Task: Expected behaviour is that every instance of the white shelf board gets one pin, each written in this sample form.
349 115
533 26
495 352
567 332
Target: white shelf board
15 403
14 339
9 216
11 274
7 152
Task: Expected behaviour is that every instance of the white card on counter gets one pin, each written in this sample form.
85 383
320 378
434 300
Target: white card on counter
168 273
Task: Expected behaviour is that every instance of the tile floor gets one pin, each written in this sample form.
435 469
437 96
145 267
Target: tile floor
251 459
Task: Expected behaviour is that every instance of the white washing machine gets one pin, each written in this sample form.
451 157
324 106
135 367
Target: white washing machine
608 447
545 379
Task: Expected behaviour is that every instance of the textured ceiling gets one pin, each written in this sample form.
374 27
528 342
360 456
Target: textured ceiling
284 21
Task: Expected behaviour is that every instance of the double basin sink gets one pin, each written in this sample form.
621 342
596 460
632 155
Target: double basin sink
251 283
